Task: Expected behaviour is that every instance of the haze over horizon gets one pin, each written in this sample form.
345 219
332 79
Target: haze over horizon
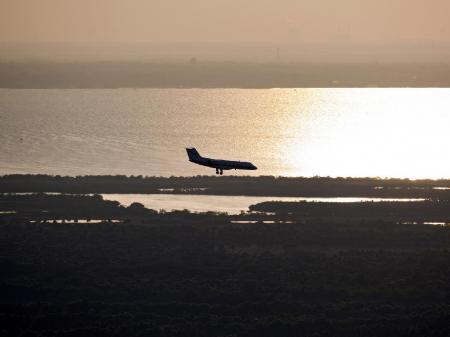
349 30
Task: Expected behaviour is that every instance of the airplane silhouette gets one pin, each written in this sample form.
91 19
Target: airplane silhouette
218 164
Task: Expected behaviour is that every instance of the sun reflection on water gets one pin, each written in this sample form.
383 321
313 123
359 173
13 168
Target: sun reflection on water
368 132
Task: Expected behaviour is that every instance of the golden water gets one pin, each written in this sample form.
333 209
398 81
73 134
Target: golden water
326 132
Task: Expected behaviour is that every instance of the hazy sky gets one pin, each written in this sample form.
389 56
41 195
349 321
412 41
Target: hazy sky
227 21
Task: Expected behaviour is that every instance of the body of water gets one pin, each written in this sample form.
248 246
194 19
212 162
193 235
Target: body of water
218 203
326 132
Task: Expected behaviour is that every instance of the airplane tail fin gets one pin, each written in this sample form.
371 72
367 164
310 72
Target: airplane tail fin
193 154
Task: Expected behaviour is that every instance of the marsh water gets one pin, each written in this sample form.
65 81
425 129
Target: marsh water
220 203
326 132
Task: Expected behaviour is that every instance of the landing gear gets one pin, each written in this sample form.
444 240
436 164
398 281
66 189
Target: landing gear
219 171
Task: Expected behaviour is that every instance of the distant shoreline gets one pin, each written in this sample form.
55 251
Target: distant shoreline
231 185
214 75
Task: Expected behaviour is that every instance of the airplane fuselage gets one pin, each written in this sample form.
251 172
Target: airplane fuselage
225 164
218 164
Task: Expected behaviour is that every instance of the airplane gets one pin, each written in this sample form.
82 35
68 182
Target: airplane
218 164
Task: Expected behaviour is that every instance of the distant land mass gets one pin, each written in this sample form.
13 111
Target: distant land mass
231 185
202 74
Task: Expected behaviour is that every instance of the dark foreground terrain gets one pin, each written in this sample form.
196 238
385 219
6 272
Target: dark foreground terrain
295 272
259 280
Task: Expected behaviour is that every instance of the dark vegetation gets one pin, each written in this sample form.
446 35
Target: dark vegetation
231 185
46 208
116 280
220 75
418 211
183 274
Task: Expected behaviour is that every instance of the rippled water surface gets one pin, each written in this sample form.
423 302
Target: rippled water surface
336 132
